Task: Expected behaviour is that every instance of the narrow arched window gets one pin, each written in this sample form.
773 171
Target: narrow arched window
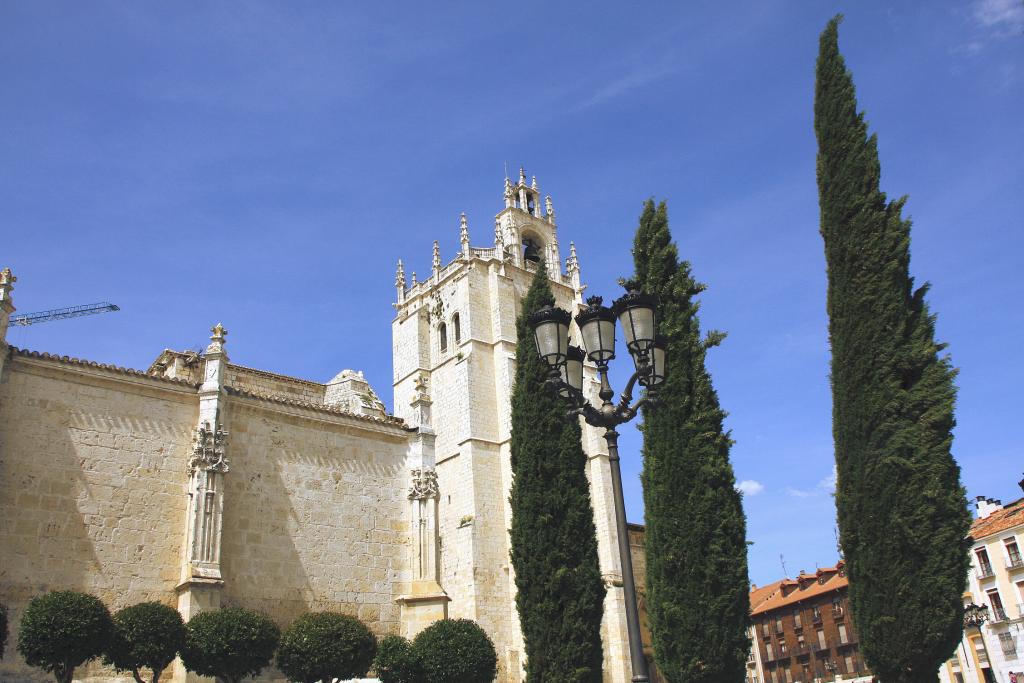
458 328
442 331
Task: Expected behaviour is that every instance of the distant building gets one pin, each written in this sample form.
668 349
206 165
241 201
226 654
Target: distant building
803 632
996 651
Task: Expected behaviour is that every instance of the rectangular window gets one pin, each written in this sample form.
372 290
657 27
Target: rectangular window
821 639
770 653
848 660
789 675
778 624
998 613
843 637
958 677
796 619
1013 553
1008 644
816 613
765 629
782 648
984 565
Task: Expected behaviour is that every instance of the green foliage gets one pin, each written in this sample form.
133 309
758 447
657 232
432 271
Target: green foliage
455 651
322 646
553 540
3 630
901 509
230 642
147 635
695 526
62 630
395 662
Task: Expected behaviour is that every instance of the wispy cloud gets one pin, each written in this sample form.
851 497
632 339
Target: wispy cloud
626 84
825 486
750 487
1002 15
993 20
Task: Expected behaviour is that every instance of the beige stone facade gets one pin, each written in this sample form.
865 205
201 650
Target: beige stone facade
200 482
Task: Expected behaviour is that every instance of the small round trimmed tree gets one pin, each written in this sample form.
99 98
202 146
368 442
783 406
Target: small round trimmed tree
322 646
395 662
62 630
147 635
455 651
231 643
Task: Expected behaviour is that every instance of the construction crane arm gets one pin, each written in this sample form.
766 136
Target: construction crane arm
26 319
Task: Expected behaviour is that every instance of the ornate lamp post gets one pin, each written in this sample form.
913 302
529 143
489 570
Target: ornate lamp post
636 313
975 616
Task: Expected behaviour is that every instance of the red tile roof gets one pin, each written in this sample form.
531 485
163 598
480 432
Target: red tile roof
786 592
1010 516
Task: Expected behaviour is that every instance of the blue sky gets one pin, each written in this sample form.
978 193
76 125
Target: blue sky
265 165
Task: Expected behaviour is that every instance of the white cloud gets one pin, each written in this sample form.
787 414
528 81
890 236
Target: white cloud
750 487
828 484
1001 14
799 493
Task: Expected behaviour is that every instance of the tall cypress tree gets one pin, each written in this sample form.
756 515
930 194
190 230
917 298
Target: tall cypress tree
901 509
554 541
697 584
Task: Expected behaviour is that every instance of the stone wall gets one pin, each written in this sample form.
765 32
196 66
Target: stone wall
271 384
92 488
315 515
93 497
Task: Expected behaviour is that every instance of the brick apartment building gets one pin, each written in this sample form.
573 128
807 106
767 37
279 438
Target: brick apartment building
802 631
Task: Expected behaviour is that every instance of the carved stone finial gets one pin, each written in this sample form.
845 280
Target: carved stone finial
508 187
533 183
522 175
464 234
424 484
208 450
216 339
7 281
437 257
400 276
414 278
549 207
572 263
421 385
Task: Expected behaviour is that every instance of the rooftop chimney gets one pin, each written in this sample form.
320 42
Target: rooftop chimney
986 506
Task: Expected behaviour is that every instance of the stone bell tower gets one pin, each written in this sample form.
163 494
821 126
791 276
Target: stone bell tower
454 344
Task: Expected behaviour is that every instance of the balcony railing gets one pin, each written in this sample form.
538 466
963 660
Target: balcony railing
850 639
837 612
1015 562
985 572
802 649
998 615
816 617
819 647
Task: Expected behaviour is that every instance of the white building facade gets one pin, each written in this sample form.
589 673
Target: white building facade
995 651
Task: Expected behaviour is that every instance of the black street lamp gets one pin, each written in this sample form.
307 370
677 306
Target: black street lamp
975 616
636 312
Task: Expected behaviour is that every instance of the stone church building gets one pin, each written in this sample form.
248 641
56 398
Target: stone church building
200 482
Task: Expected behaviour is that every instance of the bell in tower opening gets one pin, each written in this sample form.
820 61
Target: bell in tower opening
531 249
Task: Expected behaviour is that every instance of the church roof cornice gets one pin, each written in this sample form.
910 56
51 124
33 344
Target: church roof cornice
94 365
386 421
